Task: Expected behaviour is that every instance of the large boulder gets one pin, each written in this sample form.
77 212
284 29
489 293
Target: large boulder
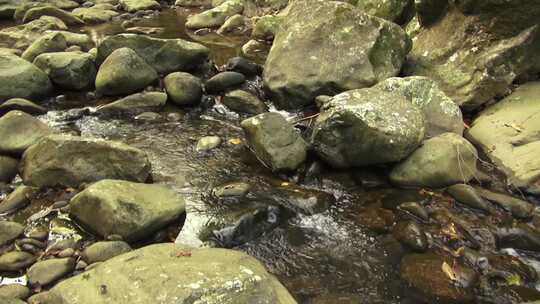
367 126
71 161
124 72
139 5
477 57
274 141
216 16
391 10
131 210
20 78
509 134
19 130
441 161
165 55
440 112
68 70
216 276
327 47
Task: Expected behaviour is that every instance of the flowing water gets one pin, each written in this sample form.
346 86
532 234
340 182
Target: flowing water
322 258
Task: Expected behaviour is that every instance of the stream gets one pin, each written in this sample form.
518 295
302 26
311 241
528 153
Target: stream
329 257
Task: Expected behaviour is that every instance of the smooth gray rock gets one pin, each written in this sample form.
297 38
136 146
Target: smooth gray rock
19 130
183 88
46 272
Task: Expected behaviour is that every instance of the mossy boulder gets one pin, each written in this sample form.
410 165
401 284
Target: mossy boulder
183 88
220 276
131 210
440 112
63 160
20 78
165 55
475 58
124 72
68 70
52 42
441 161
367 126
327 47
390 10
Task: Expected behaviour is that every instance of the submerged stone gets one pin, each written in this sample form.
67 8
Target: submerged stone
438 279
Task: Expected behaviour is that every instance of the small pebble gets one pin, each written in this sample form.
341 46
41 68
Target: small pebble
66 253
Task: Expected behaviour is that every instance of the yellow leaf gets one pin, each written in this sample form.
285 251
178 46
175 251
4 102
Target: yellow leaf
447 269
235 141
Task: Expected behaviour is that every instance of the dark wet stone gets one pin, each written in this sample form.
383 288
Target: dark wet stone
39 234
438 279
62 245
377 219
223 81
16 260
102 251
248 227
14 291
9 168
149 117
48 271
18 199
519 208
415 209
244 66
303 200
243 102
23 105
32 242
520 237
9 231
512 266
467 195
411 234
